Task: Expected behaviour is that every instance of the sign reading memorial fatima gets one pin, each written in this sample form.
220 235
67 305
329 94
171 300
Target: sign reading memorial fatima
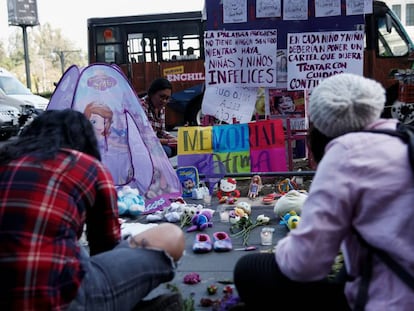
22 12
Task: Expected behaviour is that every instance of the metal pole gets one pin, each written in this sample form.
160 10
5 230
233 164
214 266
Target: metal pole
26 57
62 61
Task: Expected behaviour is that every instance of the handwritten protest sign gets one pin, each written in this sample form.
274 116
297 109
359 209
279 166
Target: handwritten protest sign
267 146
265 134
314 56
295 10
235 162
194 139
231 138
268 8
253 147
226 103
234 11
244 58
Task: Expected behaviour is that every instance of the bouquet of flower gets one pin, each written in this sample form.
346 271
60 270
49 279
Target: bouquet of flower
244 226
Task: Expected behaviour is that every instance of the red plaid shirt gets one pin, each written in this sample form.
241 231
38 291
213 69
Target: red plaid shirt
43 208
157 122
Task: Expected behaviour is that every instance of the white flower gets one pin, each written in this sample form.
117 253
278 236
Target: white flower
262 219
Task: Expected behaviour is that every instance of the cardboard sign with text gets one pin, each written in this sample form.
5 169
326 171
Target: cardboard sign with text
241 57
251 147
314 56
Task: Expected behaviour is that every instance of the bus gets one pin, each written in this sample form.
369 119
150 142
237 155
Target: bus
171 45
150 46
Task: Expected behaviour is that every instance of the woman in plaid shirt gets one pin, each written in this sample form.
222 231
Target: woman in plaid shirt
52 183
154 105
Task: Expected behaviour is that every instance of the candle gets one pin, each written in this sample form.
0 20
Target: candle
266 236
207 199
224 215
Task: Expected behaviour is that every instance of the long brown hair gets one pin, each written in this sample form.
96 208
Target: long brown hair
317 142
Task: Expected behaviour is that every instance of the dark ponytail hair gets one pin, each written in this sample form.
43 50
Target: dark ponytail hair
51 131
158 85
317 142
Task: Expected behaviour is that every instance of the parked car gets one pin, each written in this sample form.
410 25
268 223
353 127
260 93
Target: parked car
9 120
20 96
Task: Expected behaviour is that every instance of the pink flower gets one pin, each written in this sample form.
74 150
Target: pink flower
192 278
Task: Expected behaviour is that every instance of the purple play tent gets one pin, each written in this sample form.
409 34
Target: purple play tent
128 144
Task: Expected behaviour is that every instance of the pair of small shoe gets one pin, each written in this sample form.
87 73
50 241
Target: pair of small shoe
221 243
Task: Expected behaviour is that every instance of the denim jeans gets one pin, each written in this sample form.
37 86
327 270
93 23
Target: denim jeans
120 278
260 282
170 151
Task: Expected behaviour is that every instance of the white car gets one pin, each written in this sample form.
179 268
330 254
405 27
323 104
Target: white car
20 96
11 86
9 121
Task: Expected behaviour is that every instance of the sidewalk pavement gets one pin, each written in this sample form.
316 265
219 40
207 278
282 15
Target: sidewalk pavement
216 268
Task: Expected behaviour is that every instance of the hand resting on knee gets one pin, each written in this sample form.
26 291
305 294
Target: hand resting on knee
166 236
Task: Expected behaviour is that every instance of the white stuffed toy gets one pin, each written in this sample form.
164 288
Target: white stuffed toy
291 201
228 192
130 202
245 206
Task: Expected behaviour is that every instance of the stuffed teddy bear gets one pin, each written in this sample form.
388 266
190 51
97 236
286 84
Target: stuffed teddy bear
201 220
291 201
245 206
227 191
130 202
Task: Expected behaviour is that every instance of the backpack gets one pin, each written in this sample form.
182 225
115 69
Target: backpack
405 133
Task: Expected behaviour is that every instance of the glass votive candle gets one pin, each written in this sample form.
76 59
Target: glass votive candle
207 199
266 236
223 213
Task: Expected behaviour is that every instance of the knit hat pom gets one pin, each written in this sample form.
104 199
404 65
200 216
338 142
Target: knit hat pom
345 103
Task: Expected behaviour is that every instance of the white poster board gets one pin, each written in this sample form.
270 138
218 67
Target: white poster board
245 58
314 56
226 103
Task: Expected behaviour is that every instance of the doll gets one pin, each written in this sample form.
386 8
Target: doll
255 187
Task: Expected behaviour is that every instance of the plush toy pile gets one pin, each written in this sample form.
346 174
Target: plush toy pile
130 202
193 215
289 207
201 220
291 201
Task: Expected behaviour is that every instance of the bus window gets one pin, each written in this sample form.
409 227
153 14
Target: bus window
191 43
142 47
109 45
170 48
109 53
186 47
